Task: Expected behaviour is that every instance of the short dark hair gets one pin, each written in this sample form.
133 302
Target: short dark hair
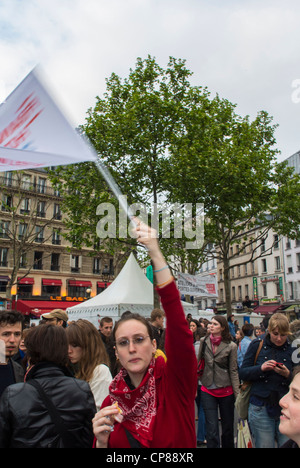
248 329
47 343
105 320
11 317
132 316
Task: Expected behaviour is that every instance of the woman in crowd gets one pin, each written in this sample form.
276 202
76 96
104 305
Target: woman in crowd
270 378
88 355
220 382
156 398
25 421
247 332
290 412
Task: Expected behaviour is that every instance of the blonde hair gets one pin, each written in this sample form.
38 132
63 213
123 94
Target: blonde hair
281 322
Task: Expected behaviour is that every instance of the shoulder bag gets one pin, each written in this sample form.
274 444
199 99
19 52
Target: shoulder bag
68 441
242 400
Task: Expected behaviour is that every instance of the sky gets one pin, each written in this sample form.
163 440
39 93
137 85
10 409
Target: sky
247 51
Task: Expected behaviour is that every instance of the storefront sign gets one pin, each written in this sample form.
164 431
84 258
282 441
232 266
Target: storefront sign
68 298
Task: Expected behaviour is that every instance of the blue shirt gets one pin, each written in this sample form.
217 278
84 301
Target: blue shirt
242 348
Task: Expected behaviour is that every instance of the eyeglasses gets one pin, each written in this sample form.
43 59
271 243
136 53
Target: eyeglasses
125 342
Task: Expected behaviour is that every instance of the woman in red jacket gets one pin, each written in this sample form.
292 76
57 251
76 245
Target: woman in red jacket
156 398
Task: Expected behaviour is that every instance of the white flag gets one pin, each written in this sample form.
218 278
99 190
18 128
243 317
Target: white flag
34 132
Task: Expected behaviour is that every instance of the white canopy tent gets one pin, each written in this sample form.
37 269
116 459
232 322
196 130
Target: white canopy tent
131 290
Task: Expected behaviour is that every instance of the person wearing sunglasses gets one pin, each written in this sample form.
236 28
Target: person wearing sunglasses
156 398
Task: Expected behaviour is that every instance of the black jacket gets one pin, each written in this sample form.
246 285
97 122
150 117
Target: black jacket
264 383
25 421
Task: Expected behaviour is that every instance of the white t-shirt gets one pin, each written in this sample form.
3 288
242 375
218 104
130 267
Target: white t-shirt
99 384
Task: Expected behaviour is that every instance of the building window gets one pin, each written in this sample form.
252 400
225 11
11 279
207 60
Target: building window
291 290
8 178
41 209
38 260
75 263
97 266
25 206
4 229
276 241
24 290
3 257
54 262
56 239
265 290
49 290
77 291
41 186
23 260
277 263
264 265
289 265
39 231
26 182
6 202
56 211
22 230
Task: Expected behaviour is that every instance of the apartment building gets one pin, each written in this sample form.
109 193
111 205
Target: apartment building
243 274
50 273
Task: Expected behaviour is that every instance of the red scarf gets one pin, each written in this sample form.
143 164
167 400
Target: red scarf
138 405
215 341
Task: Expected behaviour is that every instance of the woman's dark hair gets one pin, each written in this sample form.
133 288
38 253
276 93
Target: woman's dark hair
226 335
131 316
47 343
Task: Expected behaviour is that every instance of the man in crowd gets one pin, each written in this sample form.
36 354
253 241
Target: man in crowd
105 330
57 317
105 327
157 323
11 325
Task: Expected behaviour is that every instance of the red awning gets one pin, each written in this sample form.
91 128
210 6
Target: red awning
39 308
87 284
267 309
101 284
51 282
26 280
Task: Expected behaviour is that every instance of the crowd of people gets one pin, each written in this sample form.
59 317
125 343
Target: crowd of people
135 383
265 358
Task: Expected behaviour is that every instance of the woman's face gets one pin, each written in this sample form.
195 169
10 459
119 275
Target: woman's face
215 328
74 353
193 327
276 338
134 349
290 412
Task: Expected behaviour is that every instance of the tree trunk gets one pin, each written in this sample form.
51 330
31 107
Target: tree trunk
227 286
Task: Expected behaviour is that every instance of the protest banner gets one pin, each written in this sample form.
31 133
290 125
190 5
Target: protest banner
196 285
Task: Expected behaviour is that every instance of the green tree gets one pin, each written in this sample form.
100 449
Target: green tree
228 163
131 128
